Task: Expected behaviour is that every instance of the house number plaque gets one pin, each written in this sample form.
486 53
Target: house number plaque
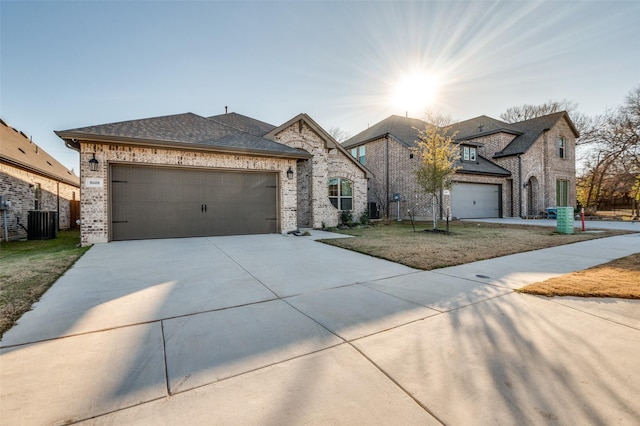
94 183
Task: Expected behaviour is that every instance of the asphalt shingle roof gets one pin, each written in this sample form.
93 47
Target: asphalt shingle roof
482 125
401 128
17 149
244 123
190 129
481 166
531 130
406 131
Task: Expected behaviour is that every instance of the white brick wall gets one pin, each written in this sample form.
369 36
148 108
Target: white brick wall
325 164
94 208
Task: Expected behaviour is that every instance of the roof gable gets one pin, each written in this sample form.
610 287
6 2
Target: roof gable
531 130
330 142
186 131
17 149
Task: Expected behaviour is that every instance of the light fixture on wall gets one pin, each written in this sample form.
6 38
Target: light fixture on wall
93 164
290 173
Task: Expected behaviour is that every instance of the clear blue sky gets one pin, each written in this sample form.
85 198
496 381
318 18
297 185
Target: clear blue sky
67 64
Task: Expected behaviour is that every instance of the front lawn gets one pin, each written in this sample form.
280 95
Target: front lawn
29 268
467 242
618 278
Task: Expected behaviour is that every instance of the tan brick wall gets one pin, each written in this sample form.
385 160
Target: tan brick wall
18 184
493 143
541 162
325 164
560 168
94 208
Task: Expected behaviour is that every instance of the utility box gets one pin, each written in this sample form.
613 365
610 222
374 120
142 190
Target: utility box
374 212
42 225
564 220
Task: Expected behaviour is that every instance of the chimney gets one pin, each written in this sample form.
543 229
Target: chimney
226 111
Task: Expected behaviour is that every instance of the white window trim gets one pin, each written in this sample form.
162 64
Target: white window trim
469 153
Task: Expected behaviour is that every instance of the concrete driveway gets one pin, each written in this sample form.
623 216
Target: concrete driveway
285 330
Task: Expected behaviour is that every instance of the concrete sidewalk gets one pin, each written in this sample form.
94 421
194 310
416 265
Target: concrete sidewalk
285 330
590 225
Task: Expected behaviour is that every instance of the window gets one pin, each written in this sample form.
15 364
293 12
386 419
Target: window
361 156
562 193
358 154
561 147
36 196
341 193
469 153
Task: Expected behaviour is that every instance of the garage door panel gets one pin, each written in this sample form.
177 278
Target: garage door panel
154 202
474 201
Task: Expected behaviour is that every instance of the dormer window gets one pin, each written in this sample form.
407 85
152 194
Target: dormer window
469 153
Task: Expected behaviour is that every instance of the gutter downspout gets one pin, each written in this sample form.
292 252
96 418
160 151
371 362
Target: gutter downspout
386 149
58 202
519 185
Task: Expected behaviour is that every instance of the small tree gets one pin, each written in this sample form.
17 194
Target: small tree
438 154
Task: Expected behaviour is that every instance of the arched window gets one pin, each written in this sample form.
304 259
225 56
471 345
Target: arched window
341 193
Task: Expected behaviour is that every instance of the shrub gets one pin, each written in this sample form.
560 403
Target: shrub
364 218
346 218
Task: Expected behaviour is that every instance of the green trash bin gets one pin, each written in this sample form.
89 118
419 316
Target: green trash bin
565 220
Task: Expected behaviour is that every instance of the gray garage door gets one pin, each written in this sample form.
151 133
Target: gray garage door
161 202
474 200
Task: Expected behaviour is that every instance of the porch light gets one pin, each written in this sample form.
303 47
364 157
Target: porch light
289 172
93 164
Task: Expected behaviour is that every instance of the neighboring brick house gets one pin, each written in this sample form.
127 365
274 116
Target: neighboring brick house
505 170
185 175
31 179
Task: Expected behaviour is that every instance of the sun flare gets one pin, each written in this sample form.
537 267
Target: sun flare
415 92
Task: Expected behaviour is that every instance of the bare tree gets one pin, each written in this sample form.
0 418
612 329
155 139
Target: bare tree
613 161
338 134
583 123
527 111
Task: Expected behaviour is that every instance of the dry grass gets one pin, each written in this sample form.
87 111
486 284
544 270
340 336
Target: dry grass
29 268
619 278
467 242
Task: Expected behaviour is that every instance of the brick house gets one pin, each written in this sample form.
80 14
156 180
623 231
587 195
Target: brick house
185 175
31 179
505 169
